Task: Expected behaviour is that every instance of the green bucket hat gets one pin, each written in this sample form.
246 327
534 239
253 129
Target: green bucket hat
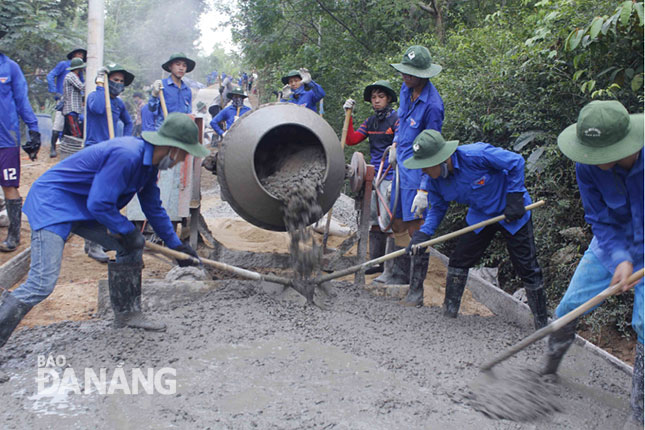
76 63
71 53
381 85
605 132
180 131
200 105
127 76
430 149
417 62
291 74
190 64
236 92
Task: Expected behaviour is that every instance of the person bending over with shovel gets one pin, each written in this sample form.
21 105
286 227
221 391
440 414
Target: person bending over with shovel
96 125
83 194
379 129
490 181
607 145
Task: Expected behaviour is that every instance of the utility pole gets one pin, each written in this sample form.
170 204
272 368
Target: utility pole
95 13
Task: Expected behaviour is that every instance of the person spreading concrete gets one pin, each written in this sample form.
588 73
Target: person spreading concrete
490 181
177 93
14 104
420 108
73 90
96 127
55 80
379 129
300 89
83 194
232 112
607 145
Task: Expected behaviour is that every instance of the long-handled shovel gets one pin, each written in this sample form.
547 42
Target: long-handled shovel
374 262
108 107
561 322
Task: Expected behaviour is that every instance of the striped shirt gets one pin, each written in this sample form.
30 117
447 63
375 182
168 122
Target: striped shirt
72 94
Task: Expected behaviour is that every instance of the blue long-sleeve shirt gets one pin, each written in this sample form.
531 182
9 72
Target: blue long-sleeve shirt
227 114
149 121
305 97
94 185
483 174
96 120
14 102
425 113
613 204
177 99
56 77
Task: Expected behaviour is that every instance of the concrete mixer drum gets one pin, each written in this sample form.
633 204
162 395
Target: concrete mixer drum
271 138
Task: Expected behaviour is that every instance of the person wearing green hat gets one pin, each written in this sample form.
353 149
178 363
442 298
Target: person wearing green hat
177 94
84 194
607 146
490 181
232 112
379 129
96 128
420 108
73 89
55 79
300 89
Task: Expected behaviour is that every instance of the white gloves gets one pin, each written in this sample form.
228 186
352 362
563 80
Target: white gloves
349 104
392 156
420 203
101 74
305 75
286 91
156 88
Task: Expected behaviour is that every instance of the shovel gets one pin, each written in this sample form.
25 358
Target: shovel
108 107
392 255
560 322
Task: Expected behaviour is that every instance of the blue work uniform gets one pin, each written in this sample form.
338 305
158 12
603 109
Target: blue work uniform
96 125
56 77
425 113
149 120
94 185
227 114
483 174
306 97
613 204
177 99
14 102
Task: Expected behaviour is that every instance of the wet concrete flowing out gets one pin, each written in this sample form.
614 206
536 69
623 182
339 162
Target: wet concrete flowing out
297 182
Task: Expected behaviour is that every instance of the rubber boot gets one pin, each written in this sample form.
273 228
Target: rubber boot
418 271
401 269
637 386
377 249
536 299
558 344
385 277
14 212
124 282
95 251
52 148
455 284
12 311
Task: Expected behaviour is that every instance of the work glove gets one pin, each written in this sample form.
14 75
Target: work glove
349 104
32 146
59 105
420 203
57 96
514 206
417 237
133 240
392 155
156 88
286 91
187 249
305 75
101 75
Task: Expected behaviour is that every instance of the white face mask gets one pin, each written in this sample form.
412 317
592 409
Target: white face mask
166 162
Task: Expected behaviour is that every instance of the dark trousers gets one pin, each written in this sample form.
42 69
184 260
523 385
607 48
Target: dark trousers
73 126
521 248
